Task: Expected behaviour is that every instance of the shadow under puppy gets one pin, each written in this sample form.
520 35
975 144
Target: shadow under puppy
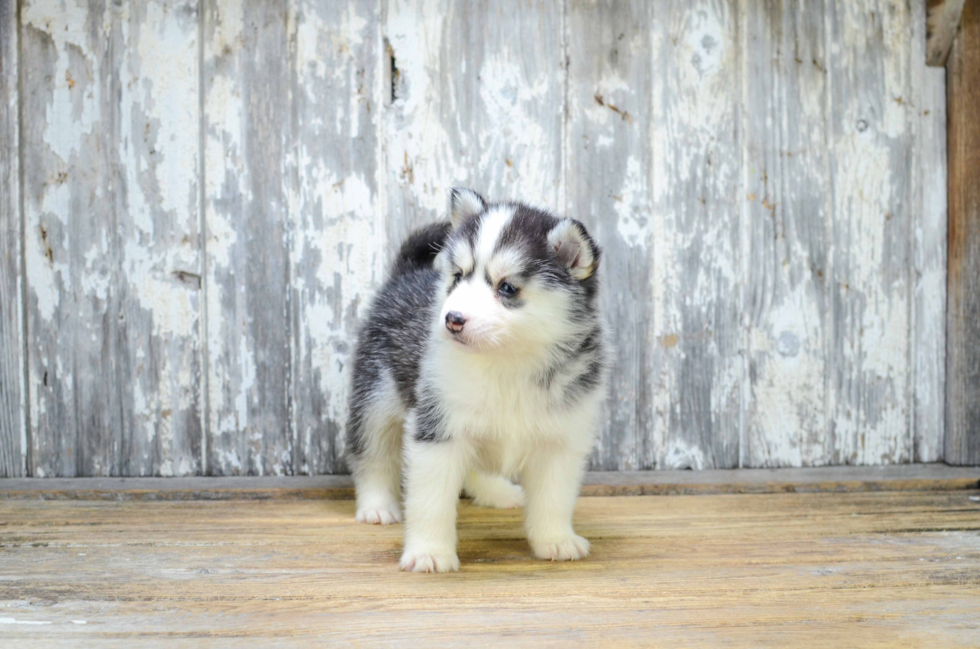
482 359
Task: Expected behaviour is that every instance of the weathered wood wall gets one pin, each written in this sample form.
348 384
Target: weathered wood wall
963 324
210 190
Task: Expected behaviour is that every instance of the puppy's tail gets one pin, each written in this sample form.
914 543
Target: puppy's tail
421 248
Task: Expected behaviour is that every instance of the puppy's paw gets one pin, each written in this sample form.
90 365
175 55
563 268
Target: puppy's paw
500 493
378 514
569 548
422 561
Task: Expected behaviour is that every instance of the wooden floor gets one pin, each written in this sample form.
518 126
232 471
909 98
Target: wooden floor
889 569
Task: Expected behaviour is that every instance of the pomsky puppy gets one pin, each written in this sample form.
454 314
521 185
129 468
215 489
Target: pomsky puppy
482 359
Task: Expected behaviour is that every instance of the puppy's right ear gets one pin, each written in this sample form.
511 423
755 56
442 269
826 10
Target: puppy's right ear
464 203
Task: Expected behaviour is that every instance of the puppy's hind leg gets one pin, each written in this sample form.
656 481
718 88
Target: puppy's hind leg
493 491
375 442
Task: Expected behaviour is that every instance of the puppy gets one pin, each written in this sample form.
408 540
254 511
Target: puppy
482 359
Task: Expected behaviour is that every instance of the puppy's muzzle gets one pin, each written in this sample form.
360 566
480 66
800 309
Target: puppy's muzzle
455 321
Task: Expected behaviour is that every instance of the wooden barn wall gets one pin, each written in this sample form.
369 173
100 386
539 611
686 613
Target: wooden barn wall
200 196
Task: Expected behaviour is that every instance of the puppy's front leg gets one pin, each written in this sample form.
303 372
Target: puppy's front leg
551 480
434 477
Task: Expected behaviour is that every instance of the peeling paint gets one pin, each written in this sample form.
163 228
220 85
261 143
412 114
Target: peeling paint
438 136
768 187
632 205
112 216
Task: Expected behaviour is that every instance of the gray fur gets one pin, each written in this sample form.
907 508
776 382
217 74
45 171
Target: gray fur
397 331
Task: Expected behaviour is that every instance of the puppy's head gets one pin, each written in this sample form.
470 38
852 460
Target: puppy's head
515 278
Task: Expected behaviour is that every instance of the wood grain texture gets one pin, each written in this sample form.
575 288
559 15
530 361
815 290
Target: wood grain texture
942 26
697 249
246 122
610 97
337 234
963 281
928 233
797 357
786 206
68 139
111 232
296 240
869 283
157 230
868 569
13 424
842 479
652 160
207 218
478 101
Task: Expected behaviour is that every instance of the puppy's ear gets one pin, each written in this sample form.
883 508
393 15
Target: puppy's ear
464 203
573 247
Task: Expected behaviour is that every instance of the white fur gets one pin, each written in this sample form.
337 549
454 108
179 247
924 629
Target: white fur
377 473
490 326
500 420
501 423
493 224
464 203
569 244
433 482
488 490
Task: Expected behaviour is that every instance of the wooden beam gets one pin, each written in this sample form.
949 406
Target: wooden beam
12 399
942 21
899 477
962 444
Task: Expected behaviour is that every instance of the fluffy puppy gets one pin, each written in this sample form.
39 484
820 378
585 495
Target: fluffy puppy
482 360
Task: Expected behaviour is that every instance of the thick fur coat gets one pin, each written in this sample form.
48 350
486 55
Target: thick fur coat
481 361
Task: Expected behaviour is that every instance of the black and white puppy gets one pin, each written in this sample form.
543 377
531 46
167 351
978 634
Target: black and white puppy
482 359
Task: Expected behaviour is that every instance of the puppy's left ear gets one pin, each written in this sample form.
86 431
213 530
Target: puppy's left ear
574 247
464 203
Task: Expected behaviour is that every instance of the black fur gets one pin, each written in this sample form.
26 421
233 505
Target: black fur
429 427
396 333
396 330
421 247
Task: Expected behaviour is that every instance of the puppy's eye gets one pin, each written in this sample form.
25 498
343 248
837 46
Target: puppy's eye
457 276
507 289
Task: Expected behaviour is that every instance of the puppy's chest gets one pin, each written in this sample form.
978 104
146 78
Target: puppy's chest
500 407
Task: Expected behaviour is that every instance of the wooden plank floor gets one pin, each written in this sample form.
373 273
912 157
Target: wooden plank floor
883 569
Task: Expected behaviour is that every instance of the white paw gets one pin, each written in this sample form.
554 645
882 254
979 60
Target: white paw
503 494
378 514
570 548
421 561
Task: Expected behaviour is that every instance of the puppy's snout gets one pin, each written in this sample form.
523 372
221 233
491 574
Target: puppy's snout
455 321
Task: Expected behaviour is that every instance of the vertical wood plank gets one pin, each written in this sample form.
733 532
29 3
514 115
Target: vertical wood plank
70 125
110 209
13 432
871 159
928 233
610 186
787 184
696 267
156 226
478 101
337 228
962 444
653 152
246 117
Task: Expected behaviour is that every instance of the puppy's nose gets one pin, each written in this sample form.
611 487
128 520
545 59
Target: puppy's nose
455 321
